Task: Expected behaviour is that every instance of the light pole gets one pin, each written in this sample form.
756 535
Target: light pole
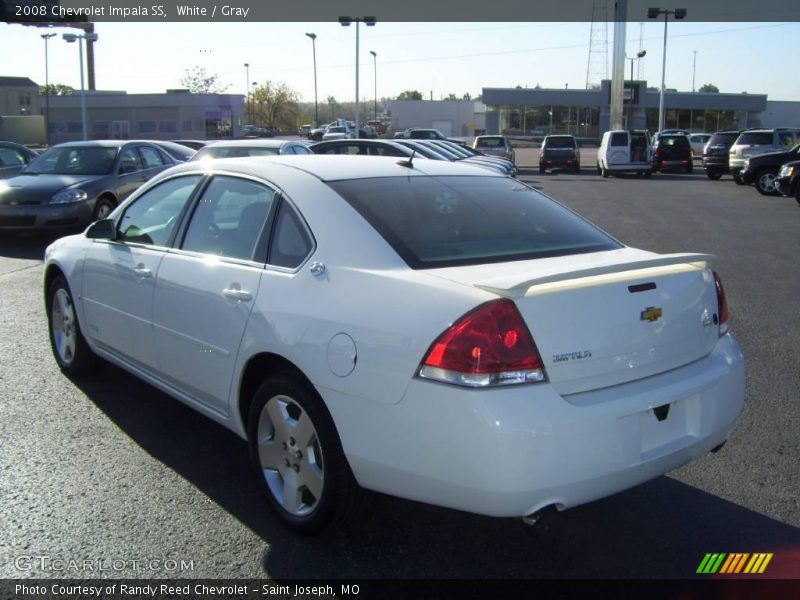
69 38
313 37
253 103
247 92
345 22
375 64
638 56
654 13
694 68
46 37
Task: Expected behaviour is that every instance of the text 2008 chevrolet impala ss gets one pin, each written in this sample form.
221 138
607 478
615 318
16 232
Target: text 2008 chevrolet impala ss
421 328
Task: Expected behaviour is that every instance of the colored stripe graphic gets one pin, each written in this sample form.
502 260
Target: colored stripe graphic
758 563
711 563
729 564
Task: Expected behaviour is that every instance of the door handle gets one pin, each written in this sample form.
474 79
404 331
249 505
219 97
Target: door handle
143 272
237 294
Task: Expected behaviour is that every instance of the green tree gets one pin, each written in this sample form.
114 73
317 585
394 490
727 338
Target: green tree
410 95
467 96
197 81
275 104
333 105
56 89
709 87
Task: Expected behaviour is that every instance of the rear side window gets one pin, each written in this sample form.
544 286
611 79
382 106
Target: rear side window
451 221
229 218
290 243
754 138
619 139
151 157
676 141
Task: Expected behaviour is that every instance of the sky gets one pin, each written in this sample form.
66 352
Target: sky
437 58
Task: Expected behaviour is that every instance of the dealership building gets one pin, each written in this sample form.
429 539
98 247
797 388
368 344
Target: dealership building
586 113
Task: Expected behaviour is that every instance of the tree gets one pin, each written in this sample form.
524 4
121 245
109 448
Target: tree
410 95
709 87
56 89
275 105
197 81
451 97
466 96
334 107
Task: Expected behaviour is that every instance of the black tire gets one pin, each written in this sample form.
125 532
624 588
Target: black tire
577 169
542 170
319 458
648 174
72 353
103 207
738 180
713 175
689 168
765 182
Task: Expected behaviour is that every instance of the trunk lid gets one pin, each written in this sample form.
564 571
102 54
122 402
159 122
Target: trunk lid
607 318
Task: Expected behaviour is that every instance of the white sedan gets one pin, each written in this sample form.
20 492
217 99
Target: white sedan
420 328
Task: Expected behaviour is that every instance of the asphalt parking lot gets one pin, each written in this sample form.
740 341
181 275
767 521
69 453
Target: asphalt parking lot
111 469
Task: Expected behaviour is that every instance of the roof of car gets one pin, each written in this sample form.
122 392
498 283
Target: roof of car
333 167
100 143
250 143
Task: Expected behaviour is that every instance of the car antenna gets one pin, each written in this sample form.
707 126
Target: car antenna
408 163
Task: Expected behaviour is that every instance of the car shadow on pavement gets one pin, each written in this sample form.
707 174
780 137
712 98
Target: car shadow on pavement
25 246
661 529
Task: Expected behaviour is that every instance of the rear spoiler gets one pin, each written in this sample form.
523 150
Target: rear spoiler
513 287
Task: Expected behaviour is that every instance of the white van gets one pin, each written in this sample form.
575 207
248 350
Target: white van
625 151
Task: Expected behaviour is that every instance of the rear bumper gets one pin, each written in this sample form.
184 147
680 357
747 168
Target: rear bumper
511 452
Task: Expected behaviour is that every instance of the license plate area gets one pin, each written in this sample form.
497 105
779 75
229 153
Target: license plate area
672 431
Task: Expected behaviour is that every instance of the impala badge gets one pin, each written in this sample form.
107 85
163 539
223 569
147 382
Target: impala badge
651 313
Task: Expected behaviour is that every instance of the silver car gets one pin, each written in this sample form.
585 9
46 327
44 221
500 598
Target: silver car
494 145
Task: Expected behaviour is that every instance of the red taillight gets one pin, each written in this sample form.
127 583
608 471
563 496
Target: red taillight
722 305
490 345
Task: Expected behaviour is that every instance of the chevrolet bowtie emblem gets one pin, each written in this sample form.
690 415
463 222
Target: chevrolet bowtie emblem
651 313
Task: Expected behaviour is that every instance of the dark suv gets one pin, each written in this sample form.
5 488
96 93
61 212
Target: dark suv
788 181
559 152
763 169
672 152
715 156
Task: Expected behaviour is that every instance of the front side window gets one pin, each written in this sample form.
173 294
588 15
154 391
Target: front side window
11 157
229 218
452 221
151 218
786 139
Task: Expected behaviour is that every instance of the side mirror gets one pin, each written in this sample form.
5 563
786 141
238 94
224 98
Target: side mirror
104 229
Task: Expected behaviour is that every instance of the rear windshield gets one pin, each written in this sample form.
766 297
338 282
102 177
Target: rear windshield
755 138
491 142
559 142
464 220
723 139
677 141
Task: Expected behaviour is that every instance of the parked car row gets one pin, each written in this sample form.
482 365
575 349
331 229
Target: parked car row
427 328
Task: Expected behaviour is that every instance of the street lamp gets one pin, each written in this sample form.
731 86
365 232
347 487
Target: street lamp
313 37
46 37
247 92
253 103
654 13
345 22
375 64
70 38
638 56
